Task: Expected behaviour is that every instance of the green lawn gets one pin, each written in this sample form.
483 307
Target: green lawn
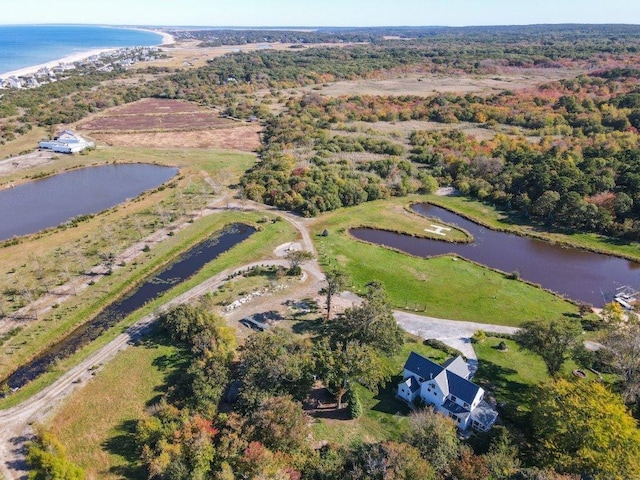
512 375
103 443
439 287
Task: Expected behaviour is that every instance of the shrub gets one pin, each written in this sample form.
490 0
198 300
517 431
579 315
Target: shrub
355 406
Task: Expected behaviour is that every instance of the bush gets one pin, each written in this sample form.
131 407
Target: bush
355 406
479 337
432 342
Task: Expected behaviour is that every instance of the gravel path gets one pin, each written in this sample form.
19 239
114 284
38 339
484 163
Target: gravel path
456 334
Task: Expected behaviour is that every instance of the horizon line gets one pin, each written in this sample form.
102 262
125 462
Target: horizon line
307 27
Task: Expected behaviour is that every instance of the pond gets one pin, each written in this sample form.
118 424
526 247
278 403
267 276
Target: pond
182 269
49 202
577 274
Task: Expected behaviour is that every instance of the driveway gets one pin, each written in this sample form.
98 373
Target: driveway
455 333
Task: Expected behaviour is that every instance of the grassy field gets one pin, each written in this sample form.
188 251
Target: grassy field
103 444
23 143
495 219
512 376
439 287
258 246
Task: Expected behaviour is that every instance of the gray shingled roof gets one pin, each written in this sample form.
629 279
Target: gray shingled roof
422 367
461 388
458 366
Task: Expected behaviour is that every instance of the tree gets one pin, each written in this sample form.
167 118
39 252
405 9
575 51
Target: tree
297 258
371 324
553 341
545 205
581 427
336 281
387 461
623 347
502 457
436 437
274 363
355 407
344 363
47 459
612 314
280 424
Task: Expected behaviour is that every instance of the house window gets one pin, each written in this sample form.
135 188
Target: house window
434 392
453 398
402 390
466 405
459 420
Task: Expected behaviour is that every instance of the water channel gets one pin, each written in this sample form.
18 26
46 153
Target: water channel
580 275
183 268
51 201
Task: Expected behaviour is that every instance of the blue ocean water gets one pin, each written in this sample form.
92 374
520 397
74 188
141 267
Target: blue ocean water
26 46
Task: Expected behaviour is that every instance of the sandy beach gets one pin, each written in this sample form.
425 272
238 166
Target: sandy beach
167 39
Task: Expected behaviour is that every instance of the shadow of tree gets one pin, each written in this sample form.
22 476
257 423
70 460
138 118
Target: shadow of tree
124 445
498 380
387 401
318 327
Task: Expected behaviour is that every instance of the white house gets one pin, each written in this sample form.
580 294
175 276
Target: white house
66 142
448 389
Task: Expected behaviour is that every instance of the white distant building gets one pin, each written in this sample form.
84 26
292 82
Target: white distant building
66 141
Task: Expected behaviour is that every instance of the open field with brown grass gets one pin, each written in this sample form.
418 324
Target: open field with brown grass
155 114
426 85
242 137
166 124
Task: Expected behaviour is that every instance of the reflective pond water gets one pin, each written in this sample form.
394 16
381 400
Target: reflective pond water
49 202
577 274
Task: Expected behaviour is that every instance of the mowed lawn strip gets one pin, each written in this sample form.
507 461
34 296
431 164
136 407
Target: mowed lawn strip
96 425
491 217
440 287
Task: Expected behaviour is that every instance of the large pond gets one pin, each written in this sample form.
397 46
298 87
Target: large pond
179 271
52 201
577 274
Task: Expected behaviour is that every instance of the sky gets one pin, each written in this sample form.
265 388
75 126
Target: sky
320 12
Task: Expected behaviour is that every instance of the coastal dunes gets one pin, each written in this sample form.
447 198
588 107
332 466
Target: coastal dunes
165 123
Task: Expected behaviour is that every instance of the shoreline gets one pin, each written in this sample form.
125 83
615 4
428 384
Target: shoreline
167 39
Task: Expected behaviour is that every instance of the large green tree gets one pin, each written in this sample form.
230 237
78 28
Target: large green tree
582 428
555 341
340 366
371 324
274 363
436 437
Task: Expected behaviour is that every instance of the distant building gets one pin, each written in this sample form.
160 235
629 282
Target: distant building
448 389
66 141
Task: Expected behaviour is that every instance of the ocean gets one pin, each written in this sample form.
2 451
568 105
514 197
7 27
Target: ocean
29 45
